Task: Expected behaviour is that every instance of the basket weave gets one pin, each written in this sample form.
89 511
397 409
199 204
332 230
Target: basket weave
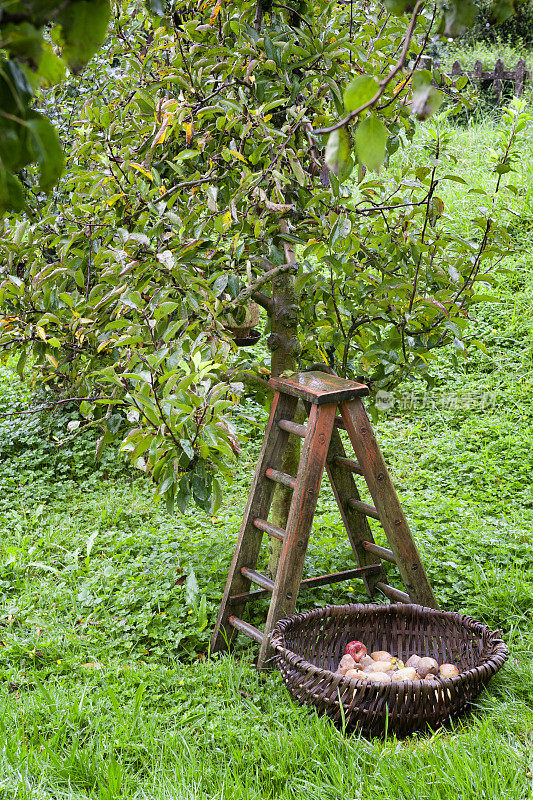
309 647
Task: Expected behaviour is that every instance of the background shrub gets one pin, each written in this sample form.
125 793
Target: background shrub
515 30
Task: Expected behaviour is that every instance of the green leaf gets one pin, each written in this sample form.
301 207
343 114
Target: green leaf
183 494
456 178
459 16
399 7
51 67
421 79
83 29
220 284
426 102
480 346
10 149
297 169
15 89
502 10
233 285
371 140
155 7
21 364
202 613
201 489
360 91
47 150
503 168
40 565
216 496
393 143
90 542
191 588
113 423
11 192
188 448
23 40
337 150
346 170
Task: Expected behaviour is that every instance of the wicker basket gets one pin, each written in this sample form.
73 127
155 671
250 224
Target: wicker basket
309 647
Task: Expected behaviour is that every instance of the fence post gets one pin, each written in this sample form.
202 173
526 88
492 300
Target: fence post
520 78
456 69
478 70
498 80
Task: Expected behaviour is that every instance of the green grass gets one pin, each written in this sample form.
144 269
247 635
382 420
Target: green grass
485 113
107 602
485 52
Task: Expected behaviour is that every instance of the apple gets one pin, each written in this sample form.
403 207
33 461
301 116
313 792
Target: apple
378 666
346 663
356 673
448 671
356 650
405 674
378 677
381 655
427 665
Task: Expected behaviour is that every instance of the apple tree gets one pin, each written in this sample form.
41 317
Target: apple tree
237 156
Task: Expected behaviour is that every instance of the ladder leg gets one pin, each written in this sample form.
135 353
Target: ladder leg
355 522
258 506
387 504
302 511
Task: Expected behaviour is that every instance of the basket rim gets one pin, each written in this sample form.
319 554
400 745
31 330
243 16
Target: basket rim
491 664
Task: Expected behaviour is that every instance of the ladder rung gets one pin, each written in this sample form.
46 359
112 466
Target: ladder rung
336 577
247 629
293 427
370 511
392 593
301 430
281 477
353 466
268 527
247 597
382 552
310 583
257 578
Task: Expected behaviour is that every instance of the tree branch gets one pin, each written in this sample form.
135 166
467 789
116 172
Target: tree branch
385 82
250 379
296 14
258 19
264 301
253 287
53 405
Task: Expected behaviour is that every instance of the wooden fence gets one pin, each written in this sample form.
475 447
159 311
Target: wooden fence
519 75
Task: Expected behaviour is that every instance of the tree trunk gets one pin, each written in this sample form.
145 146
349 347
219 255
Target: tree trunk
285 348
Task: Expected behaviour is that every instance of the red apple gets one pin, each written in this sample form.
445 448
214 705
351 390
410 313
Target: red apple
356 650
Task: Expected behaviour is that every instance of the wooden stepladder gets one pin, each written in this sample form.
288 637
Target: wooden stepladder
323 395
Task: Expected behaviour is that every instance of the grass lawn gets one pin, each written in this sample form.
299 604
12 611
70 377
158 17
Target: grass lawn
107 602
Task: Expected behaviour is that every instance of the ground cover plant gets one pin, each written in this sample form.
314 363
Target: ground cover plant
108 601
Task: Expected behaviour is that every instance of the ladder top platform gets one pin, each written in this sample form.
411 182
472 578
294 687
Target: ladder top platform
319 387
